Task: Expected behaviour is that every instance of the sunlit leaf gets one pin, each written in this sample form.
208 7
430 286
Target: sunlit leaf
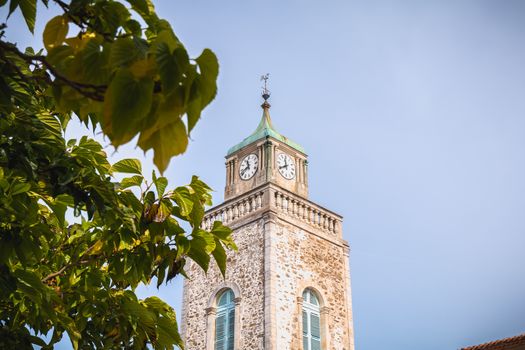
201 245
28 8
161 183
140 5
219 254
123 51
55 32
127 102
209 70
130 166
131 181
167 142
183 198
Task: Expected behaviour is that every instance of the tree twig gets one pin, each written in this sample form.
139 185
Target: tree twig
96 94
65 267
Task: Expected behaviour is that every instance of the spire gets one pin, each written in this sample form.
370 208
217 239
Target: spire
266 92
265 128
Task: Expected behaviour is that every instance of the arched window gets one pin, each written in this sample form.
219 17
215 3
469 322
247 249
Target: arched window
225 321
311 321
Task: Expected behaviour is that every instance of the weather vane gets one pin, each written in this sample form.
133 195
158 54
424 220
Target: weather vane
266 92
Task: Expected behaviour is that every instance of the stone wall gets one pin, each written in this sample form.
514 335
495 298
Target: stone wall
245 270
302 259
286 244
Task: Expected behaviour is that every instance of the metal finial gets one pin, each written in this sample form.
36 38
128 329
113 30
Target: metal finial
266 92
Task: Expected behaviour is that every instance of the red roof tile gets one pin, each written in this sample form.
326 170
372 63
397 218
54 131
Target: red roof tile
512 343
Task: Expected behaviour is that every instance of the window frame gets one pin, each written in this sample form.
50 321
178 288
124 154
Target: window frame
321 311
225 311
213 311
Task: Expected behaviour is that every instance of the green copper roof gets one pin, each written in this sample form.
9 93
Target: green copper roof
265 129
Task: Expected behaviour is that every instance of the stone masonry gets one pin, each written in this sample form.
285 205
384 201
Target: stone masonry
286 244
245 270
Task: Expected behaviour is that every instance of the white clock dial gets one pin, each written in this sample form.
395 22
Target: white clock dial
248 166
286 166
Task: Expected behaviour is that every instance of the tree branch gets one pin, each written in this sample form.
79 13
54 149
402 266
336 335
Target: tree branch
65 267
54 274
97 92
80 22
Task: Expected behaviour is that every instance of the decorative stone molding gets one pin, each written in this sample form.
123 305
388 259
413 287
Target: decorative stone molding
274 198
230 212
211 312
306 211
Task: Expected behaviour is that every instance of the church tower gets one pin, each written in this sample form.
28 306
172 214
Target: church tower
288 286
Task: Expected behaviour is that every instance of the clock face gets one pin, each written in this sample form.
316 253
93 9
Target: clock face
248 166
286 166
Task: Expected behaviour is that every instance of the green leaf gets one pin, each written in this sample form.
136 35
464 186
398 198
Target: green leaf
37 341
201 245
219 254
19 187
168 332
172 66
209 70
51 122
140 5
222 232
126 103
164 210
59 206
204 86
194 105
196 214
5 95
28 8
133 27
123 51
58 54
166 142
183 198
55 32
94 63
131 181
13 4
129 165
34 287
161 183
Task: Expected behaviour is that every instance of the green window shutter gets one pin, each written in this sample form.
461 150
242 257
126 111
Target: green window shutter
305 322
231 328
315 327
311 321
313 299
220 332
305 342
225 321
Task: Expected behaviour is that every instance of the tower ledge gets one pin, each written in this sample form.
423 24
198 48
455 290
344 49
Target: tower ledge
272 198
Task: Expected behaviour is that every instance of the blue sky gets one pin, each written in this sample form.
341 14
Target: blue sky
413 116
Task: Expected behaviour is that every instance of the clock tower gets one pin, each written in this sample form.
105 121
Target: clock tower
288 286
277 159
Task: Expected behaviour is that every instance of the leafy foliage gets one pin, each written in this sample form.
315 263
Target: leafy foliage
114 73
75 242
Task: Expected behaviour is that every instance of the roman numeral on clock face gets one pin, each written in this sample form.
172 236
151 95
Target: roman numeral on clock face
286 166
248 166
